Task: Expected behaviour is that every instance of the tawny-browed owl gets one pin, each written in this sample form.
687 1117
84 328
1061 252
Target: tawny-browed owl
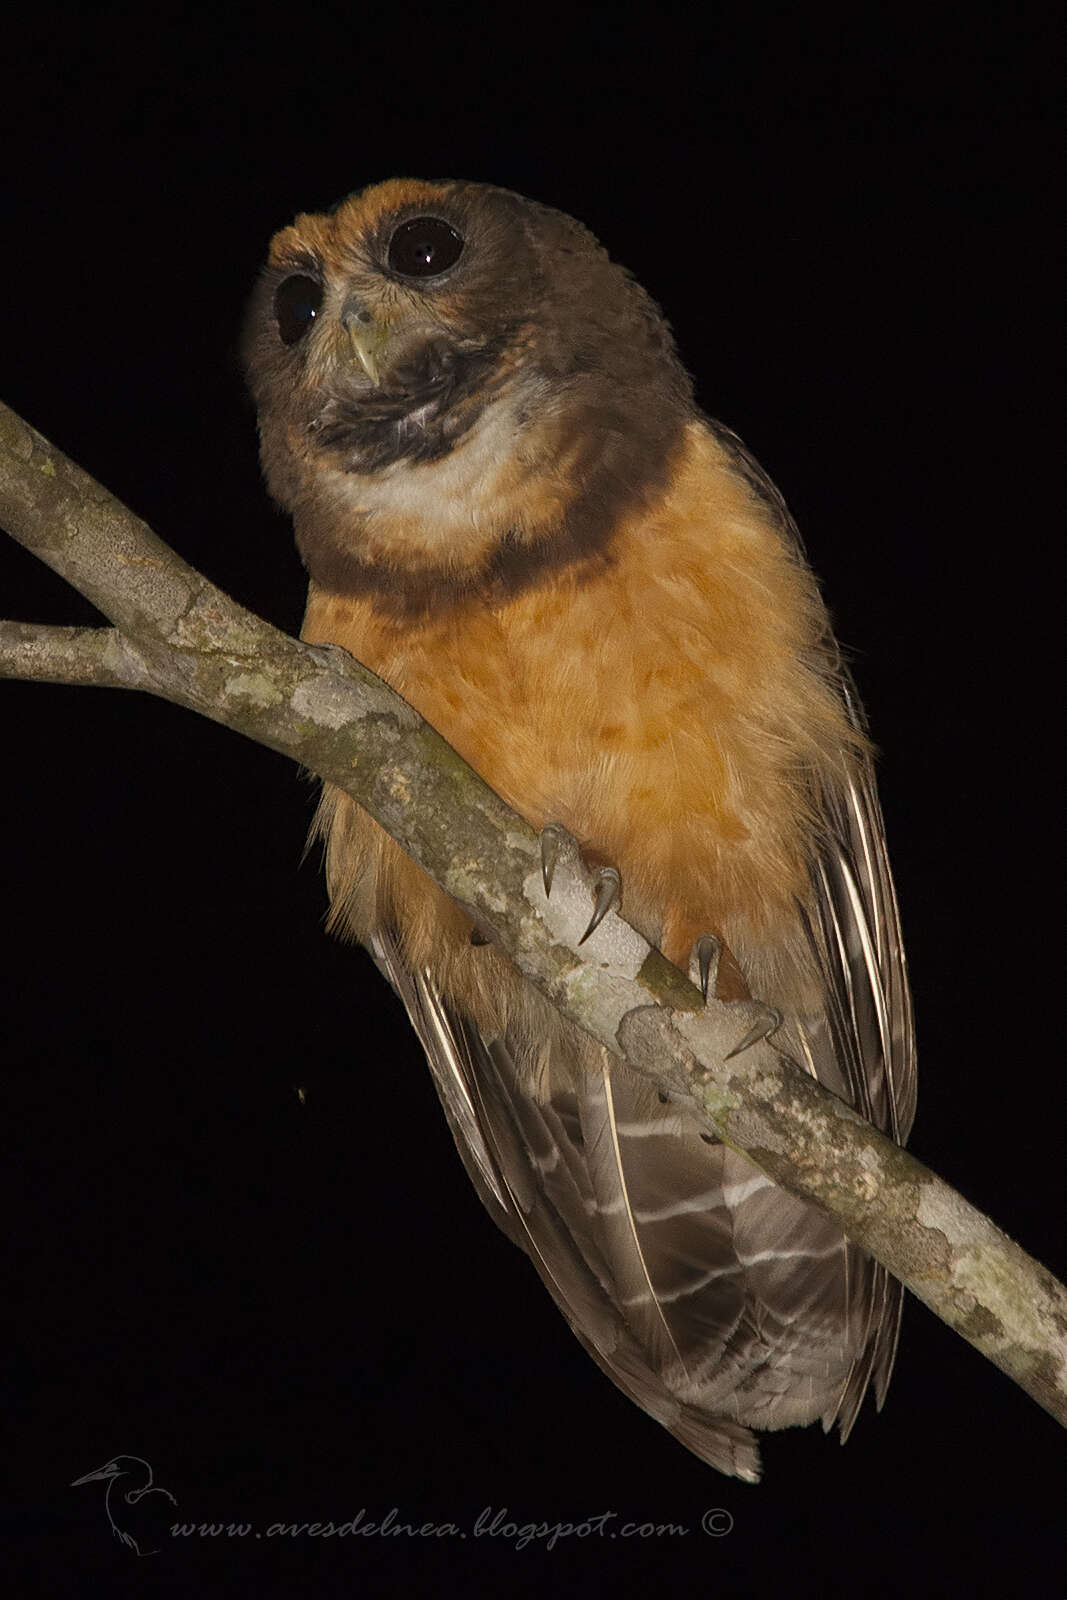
511 509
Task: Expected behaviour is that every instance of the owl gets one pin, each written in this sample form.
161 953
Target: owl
511 509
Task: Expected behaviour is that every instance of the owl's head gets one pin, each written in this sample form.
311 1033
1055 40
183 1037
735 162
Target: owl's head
424 323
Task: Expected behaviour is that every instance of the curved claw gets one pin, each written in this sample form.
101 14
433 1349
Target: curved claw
551 842
478 938
608 893
768 1023
706 952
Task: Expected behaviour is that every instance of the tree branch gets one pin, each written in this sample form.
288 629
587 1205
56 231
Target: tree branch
182 639
91 656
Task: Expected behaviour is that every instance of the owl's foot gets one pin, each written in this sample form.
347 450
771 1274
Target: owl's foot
704 971
768 1021
605 882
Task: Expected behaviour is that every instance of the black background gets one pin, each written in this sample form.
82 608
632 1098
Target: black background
297 1311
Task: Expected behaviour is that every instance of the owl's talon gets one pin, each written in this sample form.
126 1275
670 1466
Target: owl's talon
608 893
767 1023
478 939
552 837
706 954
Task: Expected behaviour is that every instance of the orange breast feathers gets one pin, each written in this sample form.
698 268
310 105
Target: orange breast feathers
668 706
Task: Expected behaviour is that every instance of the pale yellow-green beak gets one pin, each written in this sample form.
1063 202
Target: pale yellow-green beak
368 339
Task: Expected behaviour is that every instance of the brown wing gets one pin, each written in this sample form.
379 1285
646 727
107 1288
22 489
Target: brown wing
549 1171
861 953
855 933
711 1297
862 1043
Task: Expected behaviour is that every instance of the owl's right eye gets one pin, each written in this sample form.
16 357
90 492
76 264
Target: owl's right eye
297 302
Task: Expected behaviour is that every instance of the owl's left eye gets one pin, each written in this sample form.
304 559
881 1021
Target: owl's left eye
297 301
424 248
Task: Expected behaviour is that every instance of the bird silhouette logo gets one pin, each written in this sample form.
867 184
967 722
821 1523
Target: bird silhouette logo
132 1521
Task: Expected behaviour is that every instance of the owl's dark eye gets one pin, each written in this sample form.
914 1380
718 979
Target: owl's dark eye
296 305
424 248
